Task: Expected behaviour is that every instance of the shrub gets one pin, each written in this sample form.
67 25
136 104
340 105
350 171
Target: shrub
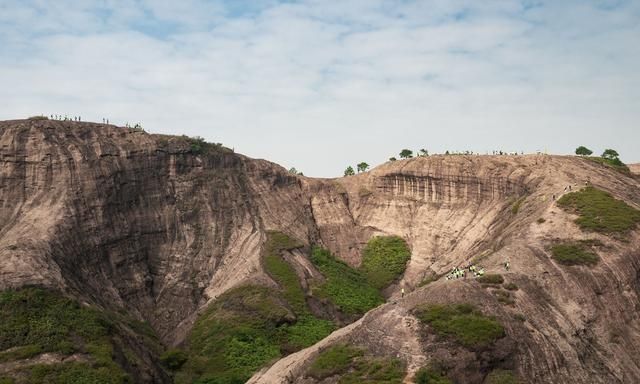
354 367
35 320
462 323
511 287
500 376
429 376
520 317
503 297
600 212
334 360
516 205
614 164
428 280
346 287
173 359
385 259
573 254
541 220
493 279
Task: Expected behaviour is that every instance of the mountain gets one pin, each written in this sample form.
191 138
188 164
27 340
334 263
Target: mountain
127 256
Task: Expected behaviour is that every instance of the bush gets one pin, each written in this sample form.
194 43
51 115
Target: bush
516 205
500 376
345 287
574 254
600 212
334 360
173 359
541 220
429 376
385 259
35 321
462 323
355 368
493 279
614 164
511 287
503 297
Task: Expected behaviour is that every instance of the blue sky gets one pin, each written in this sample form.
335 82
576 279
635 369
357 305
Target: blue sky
321 85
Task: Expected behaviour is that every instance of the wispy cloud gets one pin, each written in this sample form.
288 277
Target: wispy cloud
320 85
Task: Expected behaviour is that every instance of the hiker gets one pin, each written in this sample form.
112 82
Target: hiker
402 291
554 197
569 187
506 265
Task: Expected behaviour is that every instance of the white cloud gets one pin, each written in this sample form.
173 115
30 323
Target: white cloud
320 85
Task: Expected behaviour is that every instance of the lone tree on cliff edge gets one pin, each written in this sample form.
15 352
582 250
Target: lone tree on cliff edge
349 171
583 151
362 167
406 154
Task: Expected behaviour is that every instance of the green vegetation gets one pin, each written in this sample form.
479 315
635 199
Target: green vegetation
511 287
35 321
493 279
600 212
504 297
500 376
516 205
406 154
349 171
583 151
462 323
235 336
362 167
344 286
574 254
364 192
198 145
428 375
250 326
385 259
428 280
334 360
614 164
355 367
174 359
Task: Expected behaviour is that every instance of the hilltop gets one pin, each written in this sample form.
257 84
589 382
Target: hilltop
195 255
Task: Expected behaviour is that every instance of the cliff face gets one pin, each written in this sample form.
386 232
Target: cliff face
150 225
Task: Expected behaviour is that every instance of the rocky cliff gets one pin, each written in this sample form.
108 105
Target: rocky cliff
159 227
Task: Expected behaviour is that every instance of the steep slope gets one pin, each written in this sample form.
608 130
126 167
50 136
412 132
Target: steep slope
160 227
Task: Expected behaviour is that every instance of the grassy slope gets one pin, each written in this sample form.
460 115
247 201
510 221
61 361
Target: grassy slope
598 211
344 286
354 367
35 321
384 259
462 323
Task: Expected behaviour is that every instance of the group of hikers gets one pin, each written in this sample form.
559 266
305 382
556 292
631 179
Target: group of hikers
477 271
65 118
457 272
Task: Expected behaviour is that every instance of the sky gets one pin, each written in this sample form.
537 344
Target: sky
319 85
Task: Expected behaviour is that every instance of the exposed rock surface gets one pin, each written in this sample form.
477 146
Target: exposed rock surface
124 219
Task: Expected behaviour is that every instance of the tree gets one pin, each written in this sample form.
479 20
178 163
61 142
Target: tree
392 159
362 167
583 151
610 154
349 171
294 171
424 152
406 154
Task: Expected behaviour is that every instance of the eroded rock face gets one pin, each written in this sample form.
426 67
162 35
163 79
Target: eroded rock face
128 220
